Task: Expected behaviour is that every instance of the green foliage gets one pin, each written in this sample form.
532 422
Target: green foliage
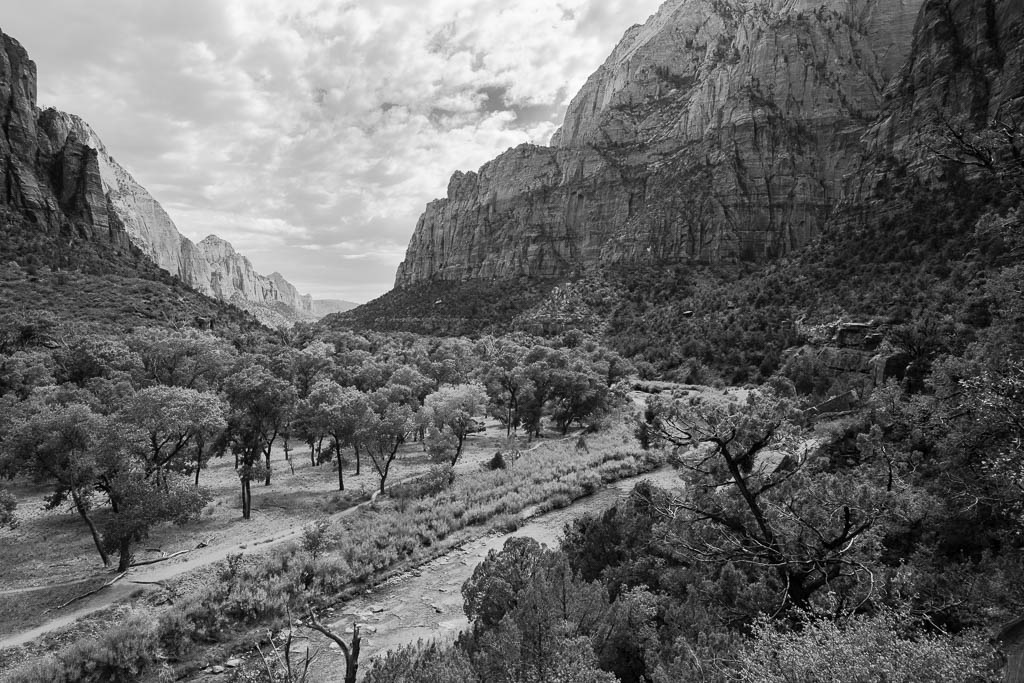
884 647
8 504
420 663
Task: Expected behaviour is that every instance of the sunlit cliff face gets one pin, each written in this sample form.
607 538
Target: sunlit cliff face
310 134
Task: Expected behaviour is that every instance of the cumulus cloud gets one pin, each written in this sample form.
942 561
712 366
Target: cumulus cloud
311 133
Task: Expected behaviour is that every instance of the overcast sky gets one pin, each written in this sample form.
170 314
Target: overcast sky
311 133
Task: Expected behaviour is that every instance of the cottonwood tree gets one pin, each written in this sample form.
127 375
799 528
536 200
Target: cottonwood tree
140 502
307 366
454 407
754 501
260 405
504 379
386 430
57 444
95 356
182 358
408 386
176 425
342 413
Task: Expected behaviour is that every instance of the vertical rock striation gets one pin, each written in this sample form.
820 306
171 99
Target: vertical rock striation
720 129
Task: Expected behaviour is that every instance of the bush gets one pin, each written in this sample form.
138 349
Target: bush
497 462
123 654
878 648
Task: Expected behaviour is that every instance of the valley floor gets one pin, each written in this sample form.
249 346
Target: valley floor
50 559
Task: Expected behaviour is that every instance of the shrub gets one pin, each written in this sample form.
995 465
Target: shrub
497 462
123 654
877 648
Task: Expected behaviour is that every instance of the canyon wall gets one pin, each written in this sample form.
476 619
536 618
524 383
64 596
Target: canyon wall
718 130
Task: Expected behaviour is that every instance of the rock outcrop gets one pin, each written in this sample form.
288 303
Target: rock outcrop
718 130
212 267
50 177
57 171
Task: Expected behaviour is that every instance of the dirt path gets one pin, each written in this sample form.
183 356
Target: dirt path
154 574
426 603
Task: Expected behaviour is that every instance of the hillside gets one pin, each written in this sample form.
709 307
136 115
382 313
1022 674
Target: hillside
923 182
64 249
212 266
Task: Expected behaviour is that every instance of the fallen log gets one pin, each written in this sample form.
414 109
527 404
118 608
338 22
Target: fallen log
159 559
86 595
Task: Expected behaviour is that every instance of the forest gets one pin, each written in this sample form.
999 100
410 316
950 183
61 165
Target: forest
879 542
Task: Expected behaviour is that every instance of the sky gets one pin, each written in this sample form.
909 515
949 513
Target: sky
312 133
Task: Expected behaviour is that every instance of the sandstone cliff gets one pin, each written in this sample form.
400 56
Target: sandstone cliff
720 129
212 267
58 171
49 177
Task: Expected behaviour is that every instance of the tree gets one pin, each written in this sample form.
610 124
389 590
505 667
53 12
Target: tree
94 356
386 430
182 358
422 662
175 424
408 386
757 503
576 393
57 444
343 413
504 379
141 503
23 371
307 366
454 407
260 404
20 330
533 619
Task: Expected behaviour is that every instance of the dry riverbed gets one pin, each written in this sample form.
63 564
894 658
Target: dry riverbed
426 603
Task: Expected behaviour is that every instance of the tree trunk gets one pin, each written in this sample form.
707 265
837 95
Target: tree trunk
92 527
199 466
125 550
356 448
246 498
352 660
337 456
266 482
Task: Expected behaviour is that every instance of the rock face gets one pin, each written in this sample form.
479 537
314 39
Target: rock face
147 224
718 130
57 171
49 176
212 267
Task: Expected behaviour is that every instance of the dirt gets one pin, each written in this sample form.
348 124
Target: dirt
426 603
52 548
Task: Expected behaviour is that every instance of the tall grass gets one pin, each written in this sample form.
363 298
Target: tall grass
264 591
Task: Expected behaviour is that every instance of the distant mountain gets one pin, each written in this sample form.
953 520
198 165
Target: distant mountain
64 248
212 267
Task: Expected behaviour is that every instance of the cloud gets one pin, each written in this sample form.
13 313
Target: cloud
311 133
